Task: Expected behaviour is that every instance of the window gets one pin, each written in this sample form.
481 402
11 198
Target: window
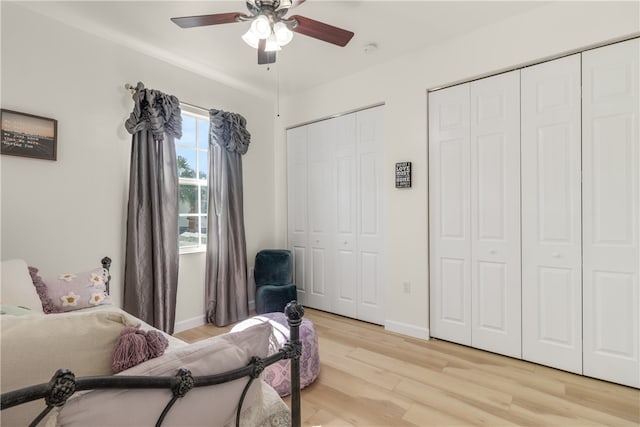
193 167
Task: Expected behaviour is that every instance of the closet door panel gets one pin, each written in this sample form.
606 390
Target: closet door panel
449 210
297 207
345 242
321 208
370 233
495 213
611 212
551 214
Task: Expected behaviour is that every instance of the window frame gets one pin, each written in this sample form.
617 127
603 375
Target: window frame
199 183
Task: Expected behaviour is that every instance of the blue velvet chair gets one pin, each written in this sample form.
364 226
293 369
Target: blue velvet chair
273 274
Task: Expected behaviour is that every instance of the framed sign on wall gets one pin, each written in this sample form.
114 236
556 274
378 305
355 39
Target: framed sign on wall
403 175
26 135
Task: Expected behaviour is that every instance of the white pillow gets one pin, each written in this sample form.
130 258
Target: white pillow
203 406
16 287
35 347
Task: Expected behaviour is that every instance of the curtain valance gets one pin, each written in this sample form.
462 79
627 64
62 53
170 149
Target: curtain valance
155 111
229 131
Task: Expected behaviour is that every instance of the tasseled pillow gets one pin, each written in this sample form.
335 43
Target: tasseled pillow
135 346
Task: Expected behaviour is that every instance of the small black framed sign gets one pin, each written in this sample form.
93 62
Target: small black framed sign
27 135
403 175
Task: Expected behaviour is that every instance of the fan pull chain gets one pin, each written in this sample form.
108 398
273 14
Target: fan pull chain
277 89
278 92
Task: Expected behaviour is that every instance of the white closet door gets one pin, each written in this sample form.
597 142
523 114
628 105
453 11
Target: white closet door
297 207
345 239
449 223
321 208
370 214
495 213
551 214
611 213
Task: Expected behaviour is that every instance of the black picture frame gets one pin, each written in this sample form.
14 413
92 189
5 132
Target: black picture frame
28 135
403 175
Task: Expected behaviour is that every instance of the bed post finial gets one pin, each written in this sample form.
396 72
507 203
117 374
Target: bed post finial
106 262
294 311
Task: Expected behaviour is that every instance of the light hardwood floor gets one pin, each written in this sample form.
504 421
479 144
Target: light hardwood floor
370 377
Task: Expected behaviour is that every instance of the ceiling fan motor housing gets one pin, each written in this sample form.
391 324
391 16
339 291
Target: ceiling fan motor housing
270 4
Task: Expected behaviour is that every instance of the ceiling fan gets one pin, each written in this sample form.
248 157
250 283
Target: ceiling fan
270 30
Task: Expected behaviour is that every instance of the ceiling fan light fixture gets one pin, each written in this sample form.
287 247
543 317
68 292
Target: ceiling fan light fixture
283 34
272 44
261 27
251 39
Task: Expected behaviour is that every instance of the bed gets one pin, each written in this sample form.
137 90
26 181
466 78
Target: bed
58 368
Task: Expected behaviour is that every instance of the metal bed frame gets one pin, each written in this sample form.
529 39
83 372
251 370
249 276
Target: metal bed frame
64 383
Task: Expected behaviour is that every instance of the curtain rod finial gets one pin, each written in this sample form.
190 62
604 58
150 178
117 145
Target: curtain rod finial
134 89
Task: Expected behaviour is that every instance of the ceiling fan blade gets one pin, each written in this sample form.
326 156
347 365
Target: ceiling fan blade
321 31
265 57
296 3
202 20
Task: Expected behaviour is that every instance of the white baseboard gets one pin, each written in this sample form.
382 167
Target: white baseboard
194 322
389 325
406 329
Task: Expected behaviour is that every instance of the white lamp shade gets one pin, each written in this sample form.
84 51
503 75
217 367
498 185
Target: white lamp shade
251 39
272 44
261 27
283 34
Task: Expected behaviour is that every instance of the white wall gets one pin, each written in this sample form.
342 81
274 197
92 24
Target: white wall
402 85
49 215
67 214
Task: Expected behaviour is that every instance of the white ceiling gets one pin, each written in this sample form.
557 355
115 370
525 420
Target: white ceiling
397 27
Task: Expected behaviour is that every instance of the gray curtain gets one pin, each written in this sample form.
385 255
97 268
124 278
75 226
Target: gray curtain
226 265
151 265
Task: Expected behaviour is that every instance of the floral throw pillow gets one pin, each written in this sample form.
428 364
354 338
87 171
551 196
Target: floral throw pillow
73 291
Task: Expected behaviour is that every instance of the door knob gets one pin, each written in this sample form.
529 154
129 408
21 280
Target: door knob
556 255
492 251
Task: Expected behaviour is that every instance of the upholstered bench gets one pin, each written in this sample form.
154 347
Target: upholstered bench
278 375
